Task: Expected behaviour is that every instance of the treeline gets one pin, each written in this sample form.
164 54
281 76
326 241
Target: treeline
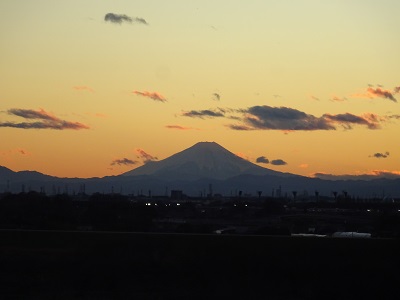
35 210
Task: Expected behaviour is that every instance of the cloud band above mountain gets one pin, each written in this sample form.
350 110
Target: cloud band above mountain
288 119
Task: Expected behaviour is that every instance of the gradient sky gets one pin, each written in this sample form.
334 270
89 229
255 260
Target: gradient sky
305 86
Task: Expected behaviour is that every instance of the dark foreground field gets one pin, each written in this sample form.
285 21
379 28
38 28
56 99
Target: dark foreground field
100 265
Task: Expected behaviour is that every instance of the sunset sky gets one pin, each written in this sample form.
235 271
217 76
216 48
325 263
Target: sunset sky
94 88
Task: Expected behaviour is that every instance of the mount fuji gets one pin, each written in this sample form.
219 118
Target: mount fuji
202 160
192 170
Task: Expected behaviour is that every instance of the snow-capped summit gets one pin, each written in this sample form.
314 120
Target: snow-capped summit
202 160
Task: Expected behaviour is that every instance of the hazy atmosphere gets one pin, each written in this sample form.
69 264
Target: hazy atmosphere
94 88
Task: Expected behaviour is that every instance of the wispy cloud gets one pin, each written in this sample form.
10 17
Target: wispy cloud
121 18
22 151
338 99
152 95
96 115
312 97
100 115
144 156
216 96
123 161
381 155
239 127
44 119
83 88
17 151
262 160
207 113
377 92
179 127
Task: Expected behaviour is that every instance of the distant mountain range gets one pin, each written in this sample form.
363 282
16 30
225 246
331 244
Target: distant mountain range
198 170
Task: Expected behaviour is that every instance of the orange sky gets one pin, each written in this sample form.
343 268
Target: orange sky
93 88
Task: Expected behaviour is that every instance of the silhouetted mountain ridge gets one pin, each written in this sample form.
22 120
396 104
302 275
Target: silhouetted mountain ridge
193 171
202 160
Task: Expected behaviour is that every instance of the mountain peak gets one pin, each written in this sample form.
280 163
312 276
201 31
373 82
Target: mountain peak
207 145
202 160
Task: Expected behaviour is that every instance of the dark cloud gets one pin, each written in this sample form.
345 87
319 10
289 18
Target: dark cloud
278 162
152 95
123 161
284 118
347 119
146 157
203 113
289 119
381 155
262 160
117 18
216 96
396 90
121 18
46 120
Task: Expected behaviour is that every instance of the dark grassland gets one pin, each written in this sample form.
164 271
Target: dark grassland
107 265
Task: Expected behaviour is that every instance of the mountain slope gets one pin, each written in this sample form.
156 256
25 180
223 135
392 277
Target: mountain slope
202 160
7 174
